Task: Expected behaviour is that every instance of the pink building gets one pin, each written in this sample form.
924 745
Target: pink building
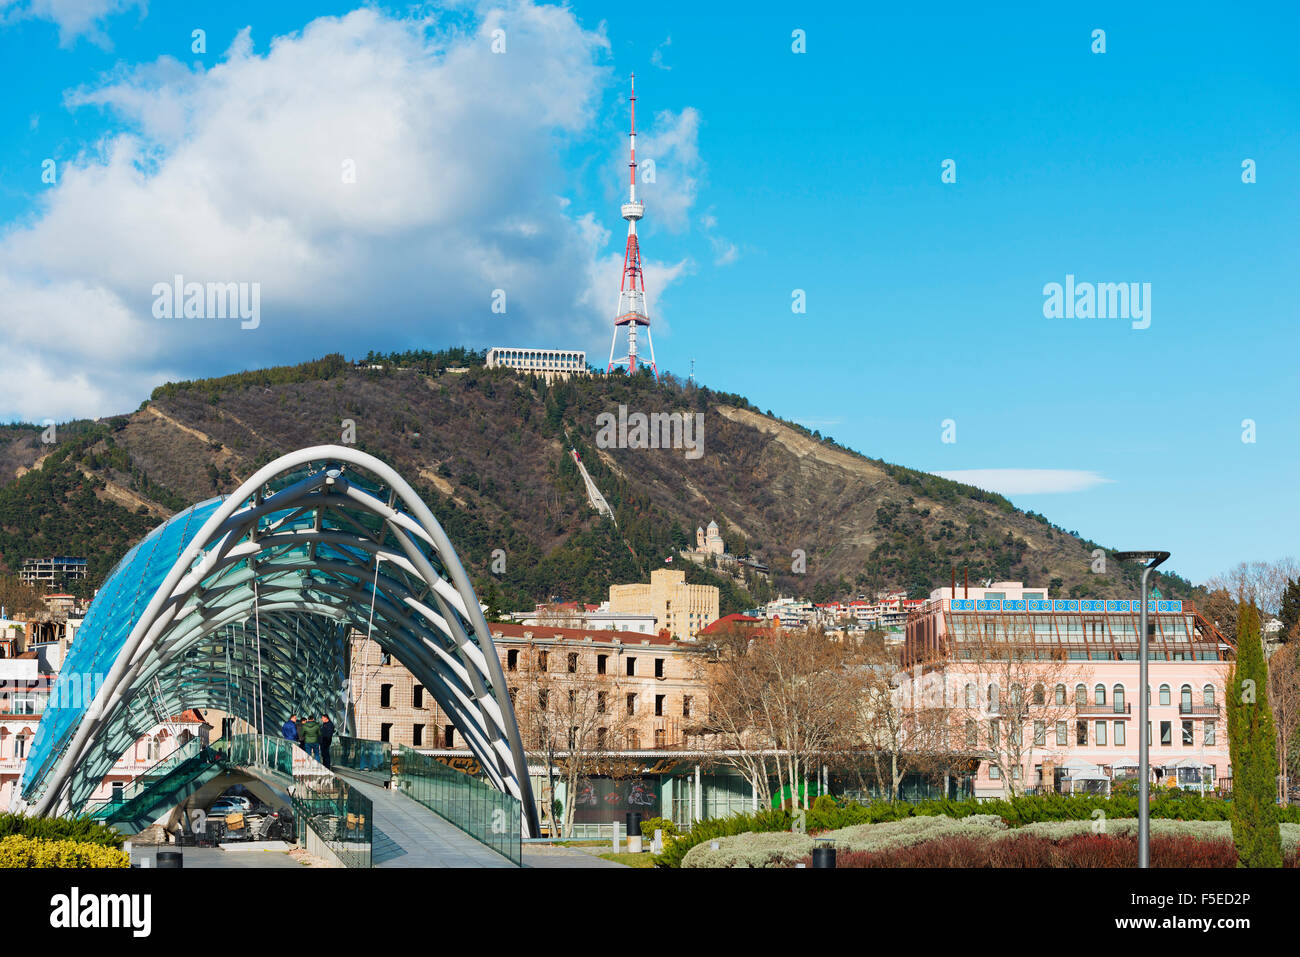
1061 676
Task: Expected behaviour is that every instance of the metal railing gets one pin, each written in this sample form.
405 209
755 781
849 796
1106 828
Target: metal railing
339 815
489 816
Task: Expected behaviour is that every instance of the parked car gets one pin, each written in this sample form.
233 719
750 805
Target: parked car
229 804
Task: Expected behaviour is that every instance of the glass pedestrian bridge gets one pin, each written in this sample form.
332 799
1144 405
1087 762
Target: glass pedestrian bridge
245 603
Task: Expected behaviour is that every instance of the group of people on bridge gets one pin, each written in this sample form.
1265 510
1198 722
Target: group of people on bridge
314 736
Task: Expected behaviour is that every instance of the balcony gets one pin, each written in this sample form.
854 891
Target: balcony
1104 710
1199 710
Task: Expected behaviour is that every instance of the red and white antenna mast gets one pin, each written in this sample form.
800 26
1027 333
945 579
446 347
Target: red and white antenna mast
632 310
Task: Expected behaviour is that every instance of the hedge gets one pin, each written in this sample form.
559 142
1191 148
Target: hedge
85 830
827 815
19 851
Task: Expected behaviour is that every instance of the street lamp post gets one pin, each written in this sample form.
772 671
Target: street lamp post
1152 559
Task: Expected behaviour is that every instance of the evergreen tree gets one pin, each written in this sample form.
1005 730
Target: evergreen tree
1290 610
1253 750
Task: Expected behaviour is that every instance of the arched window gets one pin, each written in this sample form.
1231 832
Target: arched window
1099 694
1185 698
1207 696
1017 697
1060 694
993 697
1080 694
1164 694
970 696
1040 696
1117 696
972 735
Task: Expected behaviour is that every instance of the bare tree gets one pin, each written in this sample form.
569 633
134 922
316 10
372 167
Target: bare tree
1007 701
571 718
901 725
1260 582
780 702
1284 698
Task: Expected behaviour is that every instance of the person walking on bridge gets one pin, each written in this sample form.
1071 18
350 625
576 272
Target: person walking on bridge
326 739
290 729
311 737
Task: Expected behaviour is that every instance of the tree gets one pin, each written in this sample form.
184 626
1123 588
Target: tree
571 717
1252 742
904 732
781 701
1284 699
1006 702
1260 583
1289 610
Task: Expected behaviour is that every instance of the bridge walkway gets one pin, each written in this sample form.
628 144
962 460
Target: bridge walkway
407 834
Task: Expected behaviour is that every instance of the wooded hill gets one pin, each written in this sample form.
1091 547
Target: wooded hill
488 451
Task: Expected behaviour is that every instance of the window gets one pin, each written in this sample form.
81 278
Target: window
631 703
1119 734
512 659
417 735
385 732
995 773
449 736
661 737
631 667
1040 734
970 696
1080 694
1209 734
659 667
118 788
1062 732
543 699
601 697
971 734
1189 733
1081 732
573 662
993 732
602 736
1166 733
385 696
1039 695
993 697
1164 694
686 706
1099 734
20 746
601 661
542 659
1185 698
1060 694
1207 696
633 739
417 696
1099 694
659 705
1117 696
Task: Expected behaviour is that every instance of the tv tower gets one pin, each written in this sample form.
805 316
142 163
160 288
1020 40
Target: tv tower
631 290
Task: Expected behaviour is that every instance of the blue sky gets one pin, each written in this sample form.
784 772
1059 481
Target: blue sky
775 172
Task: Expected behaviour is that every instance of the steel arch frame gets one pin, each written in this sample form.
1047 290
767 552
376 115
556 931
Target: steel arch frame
267 555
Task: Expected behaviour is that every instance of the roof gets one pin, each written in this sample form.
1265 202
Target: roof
597 635
733 619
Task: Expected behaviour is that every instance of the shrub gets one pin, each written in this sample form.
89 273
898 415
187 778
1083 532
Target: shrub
775 849
19 851
83 829
649 826
1026 850
1182 806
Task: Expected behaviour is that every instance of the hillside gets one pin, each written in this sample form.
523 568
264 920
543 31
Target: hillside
487 449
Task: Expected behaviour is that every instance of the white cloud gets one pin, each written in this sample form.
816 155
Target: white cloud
74 18
657 56
234 174
1027 481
